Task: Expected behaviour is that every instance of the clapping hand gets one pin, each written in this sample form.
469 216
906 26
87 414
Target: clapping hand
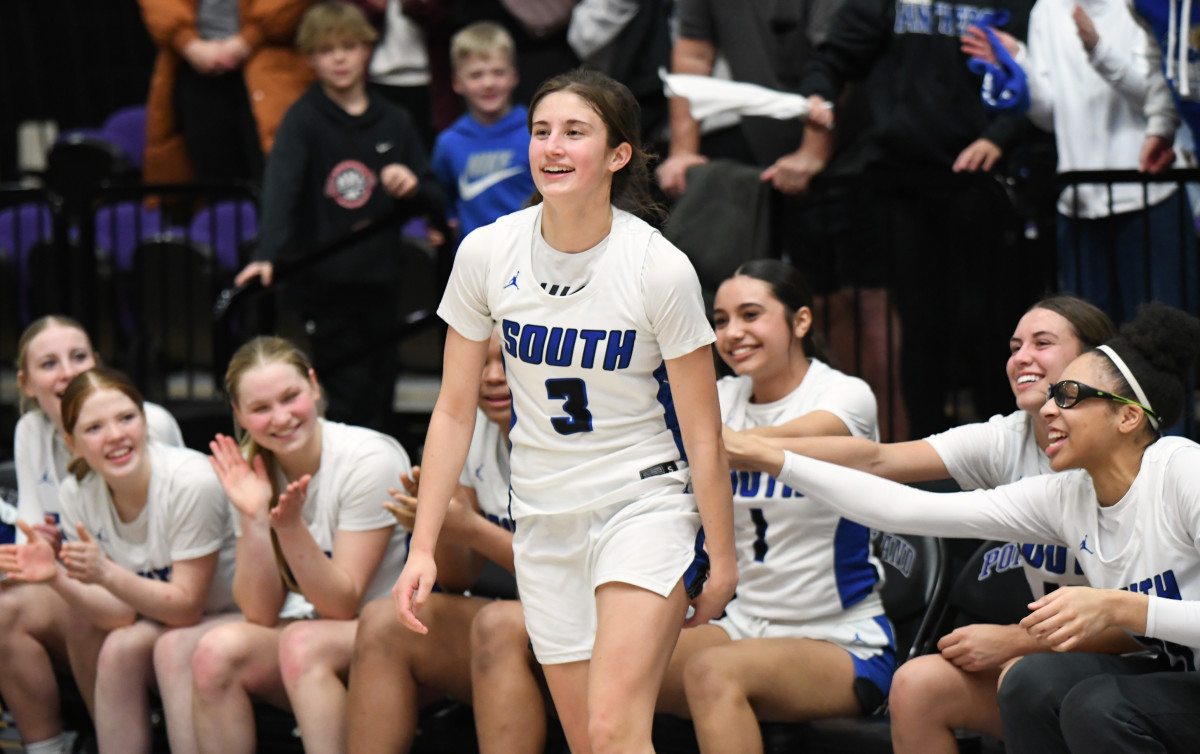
248 489
33 561
84 560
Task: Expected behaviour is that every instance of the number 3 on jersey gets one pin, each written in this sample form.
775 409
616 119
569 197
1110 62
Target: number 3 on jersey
573 393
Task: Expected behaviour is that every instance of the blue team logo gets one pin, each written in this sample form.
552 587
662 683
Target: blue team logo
513 283
1083 546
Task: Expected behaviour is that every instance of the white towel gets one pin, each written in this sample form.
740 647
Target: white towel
708 96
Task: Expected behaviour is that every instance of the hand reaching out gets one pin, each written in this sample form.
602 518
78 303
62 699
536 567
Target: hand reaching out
84 560
248 489
32 562
1069 615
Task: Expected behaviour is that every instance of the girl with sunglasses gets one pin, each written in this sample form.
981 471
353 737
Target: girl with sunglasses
1128 507
937 693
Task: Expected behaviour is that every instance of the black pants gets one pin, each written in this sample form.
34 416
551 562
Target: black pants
1038 706
218 126
357 374
1159 712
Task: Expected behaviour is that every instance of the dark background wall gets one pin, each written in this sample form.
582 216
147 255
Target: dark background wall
72 61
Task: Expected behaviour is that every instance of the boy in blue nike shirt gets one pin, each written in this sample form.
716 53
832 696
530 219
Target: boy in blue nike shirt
482 159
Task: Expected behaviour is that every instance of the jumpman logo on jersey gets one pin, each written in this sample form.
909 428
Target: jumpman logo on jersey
858 639
1083 545
46 478
479 472
513 282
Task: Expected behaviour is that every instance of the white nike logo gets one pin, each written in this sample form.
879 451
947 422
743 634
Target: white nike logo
383 146
468 190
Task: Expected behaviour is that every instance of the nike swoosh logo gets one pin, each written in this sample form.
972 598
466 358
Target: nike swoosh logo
383 146
468 190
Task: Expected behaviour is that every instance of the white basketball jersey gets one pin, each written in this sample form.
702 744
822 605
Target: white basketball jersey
594 422
487 471
1000 451
797 559
187 516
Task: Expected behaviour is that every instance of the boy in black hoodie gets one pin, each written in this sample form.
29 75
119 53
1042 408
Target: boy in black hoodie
340 160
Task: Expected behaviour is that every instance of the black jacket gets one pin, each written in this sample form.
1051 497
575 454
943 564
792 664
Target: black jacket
322 181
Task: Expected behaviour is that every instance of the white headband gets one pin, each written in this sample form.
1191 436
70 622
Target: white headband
1133 383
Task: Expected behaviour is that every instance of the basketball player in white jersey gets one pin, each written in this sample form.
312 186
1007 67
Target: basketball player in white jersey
604 335
314 545
935 694
1127 505
149 551
33 619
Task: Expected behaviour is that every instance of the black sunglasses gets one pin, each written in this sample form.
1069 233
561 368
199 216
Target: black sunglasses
1067 393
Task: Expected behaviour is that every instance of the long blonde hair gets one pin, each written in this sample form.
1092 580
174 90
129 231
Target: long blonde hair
261 351
84 386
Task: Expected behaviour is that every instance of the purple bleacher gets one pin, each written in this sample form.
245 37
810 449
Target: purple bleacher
22 226
121 227
224 227
127 129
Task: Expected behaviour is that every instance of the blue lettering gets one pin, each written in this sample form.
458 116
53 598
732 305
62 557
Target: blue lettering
748 483
945 14
620 350
733 479
560 347
510 330
1034 554
1166 586
1056 560
788 492
770 486
1000 559
533 344
913 19
157 574
590 339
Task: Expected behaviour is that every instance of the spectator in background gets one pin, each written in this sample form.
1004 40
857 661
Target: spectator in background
343 158
1089 84
927 117
539 28
630 40
769 47
482 160
226 73
401 66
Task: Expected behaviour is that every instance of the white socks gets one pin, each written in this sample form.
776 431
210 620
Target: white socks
57 745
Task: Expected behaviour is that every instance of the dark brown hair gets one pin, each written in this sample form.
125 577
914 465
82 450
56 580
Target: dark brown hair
621 115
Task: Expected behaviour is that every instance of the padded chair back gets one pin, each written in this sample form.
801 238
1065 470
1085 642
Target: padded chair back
121 227
914 586
990 588
77 165
126 128
226 228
